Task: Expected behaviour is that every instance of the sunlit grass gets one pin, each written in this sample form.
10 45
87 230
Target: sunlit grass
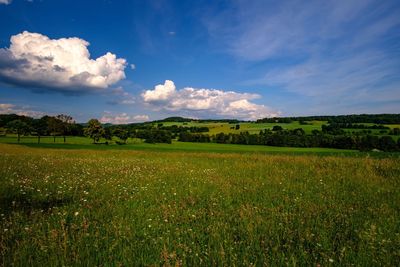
138 144
134 208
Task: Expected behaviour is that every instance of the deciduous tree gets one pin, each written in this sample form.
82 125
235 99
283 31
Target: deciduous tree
18 126
65 122
94 130
40 127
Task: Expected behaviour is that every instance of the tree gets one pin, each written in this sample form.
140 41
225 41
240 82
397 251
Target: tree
54 125
237 127
315 132
65 122
386 143
94 130
395 131
40 127
107 134
121 134
298 131
277 128
157 136
18 126
220 138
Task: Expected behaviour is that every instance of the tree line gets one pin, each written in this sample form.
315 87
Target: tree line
96 131
298 138
361 118
60 125
349 125
63 125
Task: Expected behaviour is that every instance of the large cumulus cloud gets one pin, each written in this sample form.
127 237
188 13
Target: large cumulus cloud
206 102
36 61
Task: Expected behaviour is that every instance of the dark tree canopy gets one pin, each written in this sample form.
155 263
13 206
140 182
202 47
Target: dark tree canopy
94 130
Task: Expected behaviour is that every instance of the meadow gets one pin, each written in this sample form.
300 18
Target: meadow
123 207
76 142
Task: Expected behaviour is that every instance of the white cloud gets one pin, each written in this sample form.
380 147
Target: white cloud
122 118
6 2
36 61
161 92
206 102
6 108
133 66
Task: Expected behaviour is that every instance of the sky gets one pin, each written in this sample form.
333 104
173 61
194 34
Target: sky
125 61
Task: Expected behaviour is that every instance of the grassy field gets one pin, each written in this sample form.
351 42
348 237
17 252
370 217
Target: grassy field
137 144
145 208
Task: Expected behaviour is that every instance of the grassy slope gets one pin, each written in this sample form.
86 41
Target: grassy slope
134 208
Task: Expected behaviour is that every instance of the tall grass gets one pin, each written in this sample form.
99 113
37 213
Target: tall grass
141 208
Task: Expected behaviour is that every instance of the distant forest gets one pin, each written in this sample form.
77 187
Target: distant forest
362 118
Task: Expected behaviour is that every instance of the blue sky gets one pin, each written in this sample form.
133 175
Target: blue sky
128 61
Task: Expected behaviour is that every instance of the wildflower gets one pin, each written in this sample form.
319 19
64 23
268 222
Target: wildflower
76 213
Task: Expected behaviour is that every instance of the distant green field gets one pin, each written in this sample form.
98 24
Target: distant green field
255 128
85 207
250 127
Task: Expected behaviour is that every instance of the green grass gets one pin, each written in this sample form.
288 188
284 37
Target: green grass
146 208
137 144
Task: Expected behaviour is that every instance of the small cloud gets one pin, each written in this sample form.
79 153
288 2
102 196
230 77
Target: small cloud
127 101
6 108
122 118
133 66
172 33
